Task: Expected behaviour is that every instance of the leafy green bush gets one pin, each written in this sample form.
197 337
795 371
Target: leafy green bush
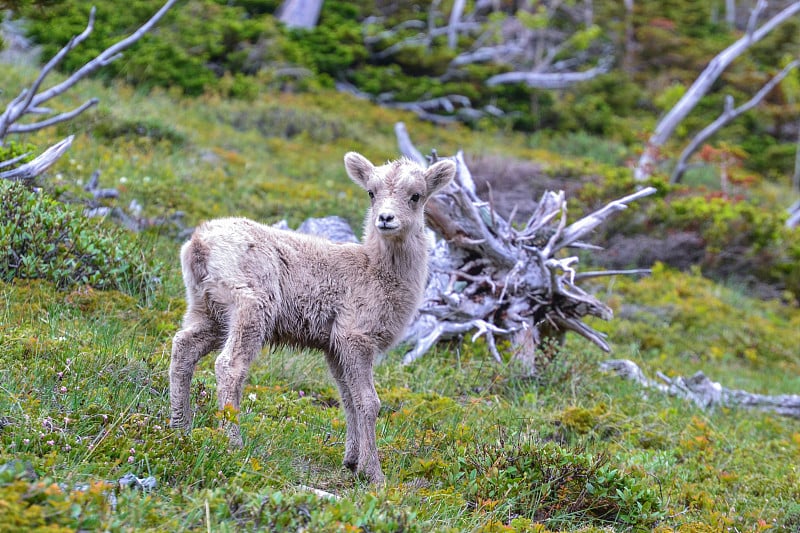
45 239
42 505
13 150
107 127
547 482
193 47
741 238
331 47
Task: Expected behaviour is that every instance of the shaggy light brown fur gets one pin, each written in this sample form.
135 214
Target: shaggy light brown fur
248 285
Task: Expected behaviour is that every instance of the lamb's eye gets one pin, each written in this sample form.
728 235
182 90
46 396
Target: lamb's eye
415 197
371 195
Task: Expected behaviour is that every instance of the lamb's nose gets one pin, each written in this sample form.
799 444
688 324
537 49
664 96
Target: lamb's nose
385 217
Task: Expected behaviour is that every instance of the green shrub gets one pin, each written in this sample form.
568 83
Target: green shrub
42 505
108 127
193 47
330 49
45 239
547 482
742 239
13 150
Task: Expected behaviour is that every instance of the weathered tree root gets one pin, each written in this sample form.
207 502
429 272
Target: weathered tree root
705 393
496 279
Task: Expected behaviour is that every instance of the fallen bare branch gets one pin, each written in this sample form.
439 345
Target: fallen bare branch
62 117
30 170
705 393
14 160
548 80
603 273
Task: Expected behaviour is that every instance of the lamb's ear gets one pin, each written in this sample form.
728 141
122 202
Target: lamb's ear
358 168
439 175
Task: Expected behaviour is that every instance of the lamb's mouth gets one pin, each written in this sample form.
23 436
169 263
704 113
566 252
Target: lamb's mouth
385 227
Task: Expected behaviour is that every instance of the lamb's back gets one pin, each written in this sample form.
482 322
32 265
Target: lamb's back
301 282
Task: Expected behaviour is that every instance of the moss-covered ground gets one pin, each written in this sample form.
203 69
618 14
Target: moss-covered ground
467 444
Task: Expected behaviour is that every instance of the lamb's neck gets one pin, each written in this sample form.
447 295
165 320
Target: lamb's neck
404 259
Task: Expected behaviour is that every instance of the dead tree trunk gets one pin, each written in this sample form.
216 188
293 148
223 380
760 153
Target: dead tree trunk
729 114
496 279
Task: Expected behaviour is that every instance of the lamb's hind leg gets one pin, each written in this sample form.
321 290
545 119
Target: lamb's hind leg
351 450
245 340
199 336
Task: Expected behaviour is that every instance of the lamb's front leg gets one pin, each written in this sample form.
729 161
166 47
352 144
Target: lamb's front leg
351 431
357 370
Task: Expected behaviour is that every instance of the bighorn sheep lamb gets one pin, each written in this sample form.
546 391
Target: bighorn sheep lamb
248 285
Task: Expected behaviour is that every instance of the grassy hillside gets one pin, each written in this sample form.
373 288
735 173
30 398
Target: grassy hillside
467 444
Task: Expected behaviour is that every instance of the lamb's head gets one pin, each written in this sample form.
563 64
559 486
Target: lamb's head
398 191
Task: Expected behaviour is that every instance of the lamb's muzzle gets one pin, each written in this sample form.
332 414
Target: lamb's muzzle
248 285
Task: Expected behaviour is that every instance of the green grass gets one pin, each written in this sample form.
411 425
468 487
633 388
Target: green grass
467 444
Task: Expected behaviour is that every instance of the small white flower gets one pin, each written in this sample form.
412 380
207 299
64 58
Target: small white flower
123 179
252 396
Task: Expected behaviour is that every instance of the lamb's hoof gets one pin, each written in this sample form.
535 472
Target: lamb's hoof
376 478
351 464
373 473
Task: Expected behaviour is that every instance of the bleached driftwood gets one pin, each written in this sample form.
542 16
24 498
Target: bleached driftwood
549 80
300 13
496 279
532 54
132 217
705 393
30 100
794 215
28 171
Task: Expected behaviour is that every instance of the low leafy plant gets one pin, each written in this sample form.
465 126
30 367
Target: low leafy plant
742 239
544 481
13 150
31 503
45 239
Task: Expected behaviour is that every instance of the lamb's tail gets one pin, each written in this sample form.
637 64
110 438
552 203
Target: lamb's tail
194 262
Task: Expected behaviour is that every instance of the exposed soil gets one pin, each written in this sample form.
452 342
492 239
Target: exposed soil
509 182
